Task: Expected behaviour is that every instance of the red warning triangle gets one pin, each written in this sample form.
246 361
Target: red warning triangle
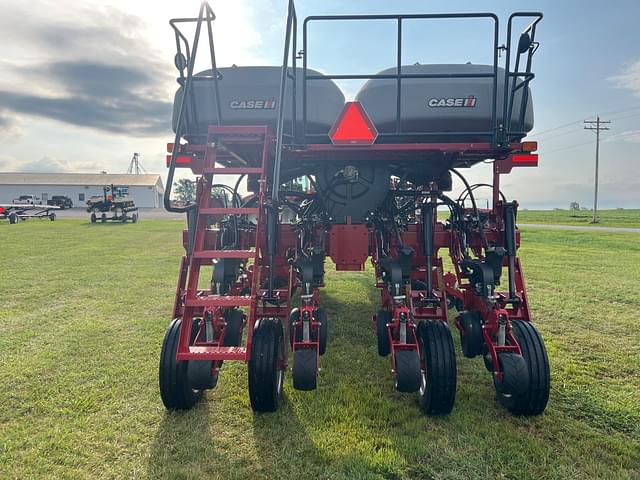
353 126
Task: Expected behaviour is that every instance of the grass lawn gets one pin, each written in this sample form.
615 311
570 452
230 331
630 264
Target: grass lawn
83 313
607 218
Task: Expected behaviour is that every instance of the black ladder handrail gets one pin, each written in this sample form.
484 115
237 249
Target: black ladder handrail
292 25
527 75
205 15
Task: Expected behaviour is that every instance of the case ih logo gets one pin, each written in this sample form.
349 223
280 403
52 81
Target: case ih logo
469 101
268 104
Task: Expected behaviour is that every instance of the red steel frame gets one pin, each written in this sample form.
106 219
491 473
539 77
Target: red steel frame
349 246
191 301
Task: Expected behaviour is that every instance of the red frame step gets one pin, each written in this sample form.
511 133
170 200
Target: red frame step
218 301
211 254
233 170
229 211
213 353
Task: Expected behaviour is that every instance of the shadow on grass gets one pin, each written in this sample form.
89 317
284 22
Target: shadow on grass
283 446
183 445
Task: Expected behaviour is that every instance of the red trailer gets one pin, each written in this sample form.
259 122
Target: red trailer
374 181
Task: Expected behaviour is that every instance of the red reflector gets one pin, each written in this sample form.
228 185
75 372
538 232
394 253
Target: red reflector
353 127
181 160
170 147
524 160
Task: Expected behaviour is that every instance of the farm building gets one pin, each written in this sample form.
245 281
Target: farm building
147 190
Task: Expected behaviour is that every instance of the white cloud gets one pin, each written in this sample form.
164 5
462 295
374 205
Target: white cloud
6 162
47 164
9 126
629 79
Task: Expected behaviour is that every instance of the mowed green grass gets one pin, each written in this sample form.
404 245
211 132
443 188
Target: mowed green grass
606 218
83 313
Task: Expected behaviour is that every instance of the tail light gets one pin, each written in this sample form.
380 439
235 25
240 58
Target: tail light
181 160
524 160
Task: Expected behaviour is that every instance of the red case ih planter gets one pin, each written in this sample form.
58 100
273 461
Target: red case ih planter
374 192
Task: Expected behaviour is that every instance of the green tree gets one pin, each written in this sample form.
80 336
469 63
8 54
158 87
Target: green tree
295 185
221 194
185 190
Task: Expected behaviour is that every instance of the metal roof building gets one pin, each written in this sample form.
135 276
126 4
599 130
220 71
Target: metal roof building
147 190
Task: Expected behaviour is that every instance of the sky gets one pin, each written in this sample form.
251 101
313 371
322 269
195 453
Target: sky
86 84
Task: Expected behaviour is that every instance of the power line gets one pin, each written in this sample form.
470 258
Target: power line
626 116
546 139
579 130
596 126
558 128
611 112
566 148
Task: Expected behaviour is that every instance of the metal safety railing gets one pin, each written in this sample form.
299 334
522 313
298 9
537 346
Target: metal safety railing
497 134
526 44
398 76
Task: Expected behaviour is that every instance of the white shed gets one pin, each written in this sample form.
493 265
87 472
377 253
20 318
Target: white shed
147 190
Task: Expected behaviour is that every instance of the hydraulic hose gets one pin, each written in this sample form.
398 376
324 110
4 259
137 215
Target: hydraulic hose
476 212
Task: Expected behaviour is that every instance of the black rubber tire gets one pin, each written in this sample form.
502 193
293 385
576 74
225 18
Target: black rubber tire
200 373
175 390
488 363
472 341
383 317
437 393
513 390
103 218
13 218
535 355
52 216
305 369
294 316
265 374
134 218
321 316
93 218
233 330
124 218
408 374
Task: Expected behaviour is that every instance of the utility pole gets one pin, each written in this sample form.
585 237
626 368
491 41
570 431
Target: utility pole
596 125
